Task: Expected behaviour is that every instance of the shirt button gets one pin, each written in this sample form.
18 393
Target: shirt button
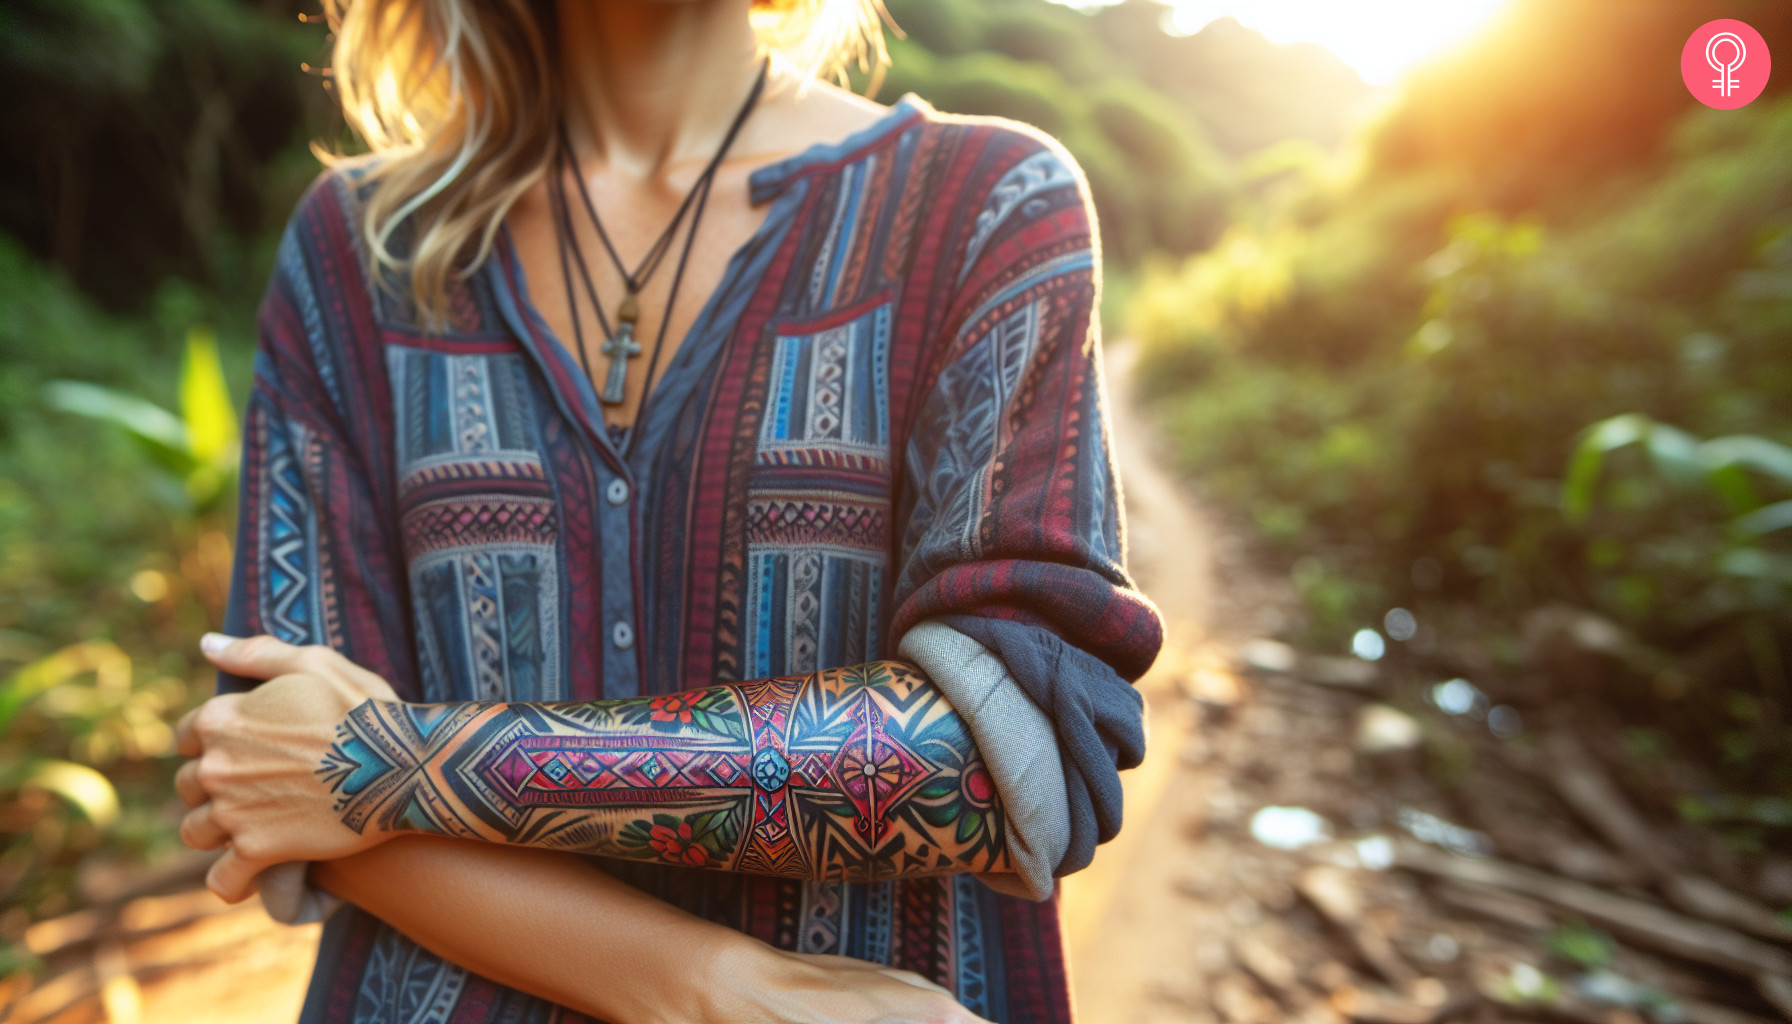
623 635
617 492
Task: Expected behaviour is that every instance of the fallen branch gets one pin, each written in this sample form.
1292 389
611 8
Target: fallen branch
1643 923
1336 894
1584 786
1777 990
1497 904
1713 902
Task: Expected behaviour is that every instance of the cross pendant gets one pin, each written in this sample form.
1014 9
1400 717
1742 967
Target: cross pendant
619 348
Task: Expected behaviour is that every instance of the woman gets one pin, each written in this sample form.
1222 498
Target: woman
680 531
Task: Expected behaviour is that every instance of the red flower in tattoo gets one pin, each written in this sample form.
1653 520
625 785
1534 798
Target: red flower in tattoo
674 707
677 846
978 788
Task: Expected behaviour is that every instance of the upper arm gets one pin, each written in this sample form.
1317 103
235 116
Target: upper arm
1010 502
317 557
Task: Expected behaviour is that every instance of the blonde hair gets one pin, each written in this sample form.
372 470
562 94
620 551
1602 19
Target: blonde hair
460 100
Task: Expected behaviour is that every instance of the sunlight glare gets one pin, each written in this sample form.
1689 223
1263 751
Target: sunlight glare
1381 39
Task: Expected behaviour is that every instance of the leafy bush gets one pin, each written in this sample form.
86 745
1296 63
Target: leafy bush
114 556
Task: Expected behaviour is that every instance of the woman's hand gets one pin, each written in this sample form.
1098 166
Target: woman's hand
253 783
769 986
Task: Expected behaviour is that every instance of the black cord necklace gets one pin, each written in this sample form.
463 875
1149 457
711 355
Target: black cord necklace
619 344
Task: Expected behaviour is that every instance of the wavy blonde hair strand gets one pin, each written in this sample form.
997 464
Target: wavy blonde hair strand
459 101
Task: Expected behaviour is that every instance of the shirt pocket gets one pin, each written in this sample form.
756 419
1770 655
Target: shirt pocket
480 526
819 503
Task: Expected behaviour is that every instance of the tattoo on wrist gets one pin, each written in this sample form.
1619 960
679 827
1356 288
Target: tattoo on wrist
855 773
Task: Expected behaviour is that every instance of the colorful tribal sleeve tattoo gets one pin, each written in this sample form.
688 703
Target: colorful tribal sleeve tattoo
855 773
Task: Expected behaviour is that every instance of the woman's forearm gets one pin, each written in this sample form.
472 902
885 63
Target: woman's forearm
856 773
546 923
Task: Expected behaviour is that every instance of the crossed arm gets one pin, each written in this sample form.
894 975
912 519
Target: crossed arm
856 773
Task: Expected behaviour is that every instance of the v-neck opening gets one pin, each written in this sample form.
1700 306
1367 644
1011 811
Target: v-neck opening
764 184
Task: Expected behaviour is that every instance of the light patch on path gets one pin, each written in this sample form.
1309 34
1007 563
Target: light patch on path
1119 913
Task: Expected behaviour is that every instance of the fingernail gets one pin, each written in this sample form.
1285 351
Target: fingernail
215 643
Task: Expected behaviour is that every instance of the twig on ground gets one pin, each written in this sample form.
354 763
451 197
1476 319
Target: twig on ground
1584 785
1644 923
1334 891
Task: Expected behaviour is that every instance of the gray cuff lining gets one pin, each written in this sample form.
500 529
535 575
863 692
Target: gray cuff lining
1018 744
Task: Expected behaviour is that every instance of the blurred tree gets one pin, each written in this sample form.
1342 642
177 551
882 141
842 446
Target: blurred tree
945 27
1243 91
1040 32
1152 118
139 134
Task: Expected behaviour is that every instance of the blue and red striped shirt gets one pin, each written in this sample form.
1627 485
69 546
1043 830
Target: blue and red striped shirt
889 411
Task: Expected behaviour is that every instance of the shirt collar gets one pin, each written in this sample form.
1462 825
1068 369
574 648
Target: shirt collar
769 180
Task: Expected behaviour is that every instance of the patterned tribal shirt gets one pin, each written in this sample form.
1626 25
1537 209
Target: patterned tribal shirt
889 411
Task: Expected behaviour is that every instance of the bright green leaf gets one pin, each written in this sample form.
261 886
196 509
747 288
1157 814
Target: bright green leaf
153 426
111 667
1755 564
1732 485
1589 458
1767 520
87 789
205 406
1582 945
1756 453
1675 453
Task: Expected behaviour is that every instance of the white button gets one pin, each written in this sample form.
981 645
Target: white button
617 492
623 635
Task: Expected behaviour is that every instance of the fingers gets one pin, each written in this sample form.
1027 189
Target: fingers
206 720
186 734
199 831
369 683
234 878
264 657
845 963
256 657
911 978
187 785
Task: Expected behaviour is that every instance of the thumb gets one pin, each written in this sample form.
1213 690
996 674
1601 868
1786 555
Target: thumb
233 878
256 657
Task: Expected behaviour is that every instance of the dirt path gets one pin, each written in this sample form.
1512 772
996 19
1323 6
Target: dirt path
184 958
1128 930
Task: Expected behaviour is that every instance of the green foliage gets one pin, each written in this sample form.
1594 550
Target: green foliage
1136 107
1445 382
1157 186
1581 945
84 756
146 138
113 557
198 447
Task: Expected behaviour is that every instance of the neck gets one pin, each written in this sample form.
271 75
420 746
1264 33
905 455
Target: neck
651 84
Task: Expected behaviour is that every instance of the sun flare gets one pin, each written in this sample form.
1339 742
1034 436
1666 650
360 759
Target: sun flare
1381 39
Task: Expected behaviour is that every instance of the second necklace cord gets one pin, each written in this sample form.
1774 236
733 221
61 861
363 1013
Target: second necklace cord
619 343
